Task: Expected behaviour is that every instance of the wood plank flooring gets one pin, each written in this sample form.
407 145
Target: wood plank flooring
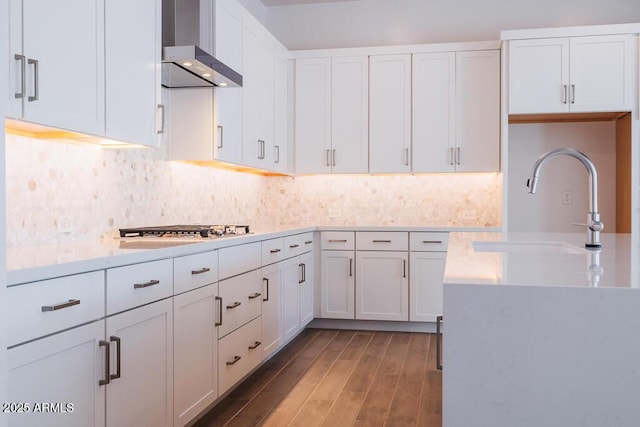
340 378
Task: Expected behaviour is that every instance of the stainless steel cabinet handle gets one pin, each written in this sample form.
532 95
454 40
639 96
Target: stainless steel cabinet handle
432 241
201 271
107 362
220 308
220 136
260 149
116 340
406 157
333 157
327 157
23 75
381 241
36 80
161 130
234 305
274 251
350 267
308 242
255 295
69 303
457 155
301 266
337 240
234 361
266 280
438 344
146 284
573 94
404 268
294 246
564 94
255 345
277 153
451 156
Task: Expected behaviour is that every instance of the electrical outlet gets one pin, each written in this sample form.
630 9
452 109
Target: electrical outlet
468 214
567 197
65 224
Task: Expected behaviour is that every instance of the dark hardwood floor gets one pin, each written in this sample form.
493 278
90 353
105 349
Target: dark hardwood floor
340 378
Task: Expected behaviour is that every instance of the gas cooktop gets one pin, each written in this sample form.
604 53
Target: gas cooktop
205 231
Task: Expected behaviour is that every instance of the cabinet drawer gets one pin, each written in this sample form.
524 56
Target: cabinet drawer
241 301
297 244
429 241
194 271
338 240
138 284
272 251
42 308
239 259
239 353
382 241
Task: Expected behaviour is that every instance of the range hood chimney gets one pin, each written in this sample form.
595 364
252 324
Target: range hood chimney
184 64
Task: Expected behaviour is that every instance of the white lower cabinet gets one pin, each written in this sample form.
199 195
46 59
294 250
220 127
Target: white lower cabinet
140 392
272 330
337 293
62 369
240 352
427 272
297 294
195 352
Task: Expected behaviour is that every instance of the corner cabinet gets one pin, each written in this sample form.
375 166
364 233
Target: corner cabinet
456 111
57 64
571 74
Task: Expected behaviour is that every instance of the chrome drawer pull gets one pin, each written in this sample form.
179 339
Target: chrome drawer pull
234 305
254 296
202 270
115 339
255 345
107 362
69 303
337 240
274 251
234 361
437 242
294 246
146 285
381 241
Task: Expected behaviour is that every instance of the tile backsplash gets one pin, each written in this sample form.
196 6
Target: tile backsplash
101 190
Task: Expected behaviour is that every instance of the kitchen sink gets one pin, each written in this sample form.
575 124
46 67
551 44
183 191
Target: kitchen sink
527 247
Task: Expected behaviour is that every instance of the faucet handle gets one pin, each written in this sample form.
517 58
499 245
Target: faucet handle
594 226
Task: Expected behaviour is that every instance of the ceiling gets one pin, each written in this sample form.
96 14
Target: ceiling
292 2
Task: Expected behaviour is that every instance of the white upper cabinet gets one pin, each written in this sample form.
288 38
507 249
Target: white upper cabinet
225 38
575 74
57 63
280 109
133 55
312 115
456 111
390 113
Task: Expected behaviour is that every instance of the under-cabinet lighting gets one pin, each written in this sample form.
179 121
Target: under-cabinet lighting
222 84
187 64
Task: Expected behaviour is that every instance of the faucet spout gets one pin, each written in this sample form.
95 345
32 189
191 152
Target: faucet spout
594 225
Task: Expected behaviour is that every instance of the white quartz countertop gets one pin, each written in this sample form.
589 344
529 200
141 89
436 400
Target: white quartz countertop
541 259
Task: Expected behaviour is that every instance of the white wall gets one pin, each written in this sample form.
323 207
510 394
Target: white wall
545 210
392 22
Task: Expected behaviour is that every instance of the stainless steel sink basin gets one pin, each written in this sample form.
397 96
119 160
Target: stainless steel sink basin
527 247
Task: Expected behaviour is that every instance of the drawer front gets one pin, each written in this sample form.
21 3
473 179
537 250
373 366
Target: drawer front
429 241
239 259
239 353
42 308
138 284
382 241
272 251
338 240
241 301
194 271
294 245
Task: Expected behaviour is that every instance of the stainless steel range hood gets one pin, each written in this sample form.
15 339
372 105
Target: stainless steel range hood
184 64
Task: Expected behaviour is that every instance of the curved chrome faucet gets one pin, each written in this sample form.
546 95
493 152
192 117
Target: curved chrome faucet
594 225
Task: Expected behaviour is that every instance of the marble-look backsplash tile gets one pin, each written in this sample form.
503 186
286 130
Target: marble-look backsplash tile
107 189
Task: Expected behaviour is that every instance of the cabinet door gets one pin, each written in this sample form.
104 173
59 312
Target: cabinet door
133 55
226 39
538 76
427 272
382 288
195 352
272 330
61 369
337 288
306 289
350 114
16 90
478 111
313 115
389 113
251 80
434 112
67 40
142 393
280 109
601 73
291 277
265 100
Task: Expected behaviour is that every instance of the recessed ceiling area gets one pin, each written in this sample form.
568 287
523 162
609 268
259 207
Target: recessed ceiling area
292 2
